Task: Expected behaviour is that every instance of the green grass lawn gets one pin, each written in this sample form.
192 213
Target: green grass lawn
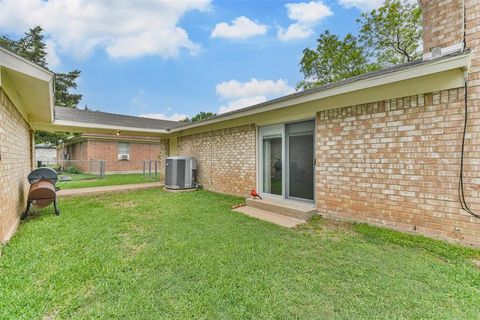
153 254
83 180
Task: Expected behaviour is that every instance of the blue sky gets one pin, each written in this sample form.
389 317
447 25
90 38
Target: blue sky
168 59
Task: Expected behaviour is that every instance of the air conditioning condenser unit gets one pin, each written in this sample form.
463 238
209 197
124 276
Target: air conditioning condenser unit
180 173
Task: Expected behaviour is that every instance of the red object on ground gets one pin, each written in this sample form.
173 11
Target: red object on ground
254 194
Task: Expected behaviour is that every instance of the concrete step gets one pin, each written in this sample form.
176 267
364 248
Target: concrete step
281 220
295 209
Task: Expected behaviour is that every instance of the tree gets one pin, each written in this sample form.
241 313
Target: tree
201 116
33 48
388 36
64 82
333 60
393 32
51 137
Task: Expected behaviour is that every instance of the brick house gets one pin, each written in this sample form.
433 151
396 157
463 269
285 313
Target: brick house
26 96
121 153
387 148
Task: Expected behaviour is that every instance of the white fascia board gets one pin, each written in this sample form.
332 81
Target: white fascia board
460 61
51 89
87 125
13 61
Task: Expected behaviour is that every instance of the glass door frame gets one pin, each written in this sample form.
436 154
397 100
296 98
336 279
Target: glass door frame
281 128
261 132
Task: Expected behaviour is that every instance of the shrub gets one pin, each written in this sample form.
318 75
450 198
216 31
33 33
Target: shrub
73 169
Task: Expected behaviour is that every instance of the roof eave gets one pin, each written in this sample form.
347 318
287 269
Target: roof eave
103 128
33 83
444 64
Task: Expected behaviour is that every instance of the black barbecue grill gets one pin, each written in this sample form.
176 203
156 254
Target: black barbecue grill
42 189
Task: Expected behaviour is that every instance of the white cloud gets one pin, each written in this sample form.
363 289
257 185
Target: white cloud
53 60
123 29
294 31
172 117
241 103
306 15
365 5
138 103
240 28
243 94
308 12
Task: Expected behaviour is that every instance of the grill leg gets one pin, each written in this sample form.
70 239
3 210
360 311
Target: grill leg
57 212
25 214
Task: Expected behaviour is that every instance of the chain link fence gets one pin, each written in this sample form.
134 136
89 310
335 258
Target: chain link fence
101 172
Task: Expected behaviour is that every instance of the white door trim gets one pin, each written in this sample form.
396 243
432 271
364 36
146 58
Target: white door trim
259 158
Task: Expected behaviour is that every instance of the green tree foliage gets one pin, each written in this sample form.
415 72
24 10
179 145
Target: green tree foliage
333 60
33 48
388 36
51 137
393 33
64 82
201 116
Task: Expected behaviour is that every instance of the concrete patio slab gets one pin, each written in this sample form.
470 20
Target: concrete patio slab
294 209
281 220
108 189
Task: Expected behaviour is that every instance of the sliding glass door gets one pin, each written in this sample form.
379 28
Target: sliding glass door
300 158
286 160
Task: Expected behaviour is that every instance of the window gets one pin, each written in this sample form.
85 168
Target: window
123 151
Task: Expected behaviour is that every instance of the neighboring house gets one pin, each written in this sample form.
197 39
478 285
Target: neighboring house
26 96
383 148
121 154
45 152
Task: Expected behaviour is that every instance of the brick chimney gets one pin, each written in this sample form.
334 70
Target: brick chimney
451 26
443 27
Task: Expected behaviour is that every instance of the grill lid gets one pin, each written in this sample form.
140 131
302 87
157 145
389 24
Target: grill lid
43 173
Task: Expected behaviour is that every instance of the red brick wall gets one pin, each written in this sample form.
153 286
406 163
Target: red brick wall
396 163
16 143
225 158
79 151
108 151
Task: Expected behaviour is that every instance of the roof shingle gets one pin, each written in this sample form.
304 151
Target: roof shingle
79 115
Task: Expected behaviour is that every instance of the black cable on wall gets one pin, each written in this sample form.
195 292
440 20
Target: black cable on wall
461 190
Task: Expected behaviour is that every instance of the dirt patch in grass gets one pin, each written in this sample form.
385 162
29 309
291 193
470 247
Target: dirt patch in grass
51 315
129 246
476 263
123 204
322 227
